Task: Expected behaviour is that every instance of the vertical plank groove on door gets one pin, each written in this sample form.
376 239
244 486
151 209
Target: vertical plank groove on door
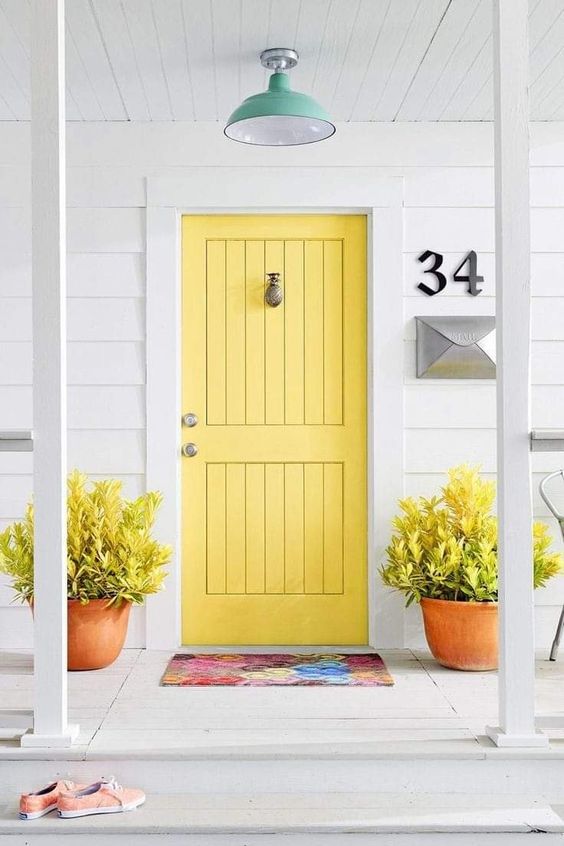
274 504
294 528
235 326
333 332
216 551
313 528
313 327
236 536
333 528
254 497
254 354
294 331
275 342
216 308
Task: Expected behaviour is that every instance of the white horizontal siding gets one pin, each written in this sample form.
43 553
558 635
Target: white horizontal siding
89 363
106 363
94 274
448 198
125 186
89 319
89 407
106 230
88 275
106 350
437 404
454 186
458 228
89 230
95 451
435 450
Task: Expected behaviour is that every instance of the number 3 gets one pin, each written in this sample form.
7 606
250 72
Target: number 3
440 277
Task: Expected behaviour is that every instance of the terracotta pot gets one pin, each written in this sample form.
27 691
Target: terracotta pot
96 633
462 635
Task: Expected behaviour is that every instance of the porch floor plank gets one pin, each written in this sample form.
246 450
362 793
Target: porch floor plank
430 712
311 813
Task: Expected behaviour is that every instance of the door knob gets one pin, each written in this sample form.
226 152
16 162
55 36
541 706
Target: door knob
189 450
190 419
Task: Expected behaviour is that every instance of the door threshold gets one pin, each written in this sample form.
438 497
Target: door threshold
277 650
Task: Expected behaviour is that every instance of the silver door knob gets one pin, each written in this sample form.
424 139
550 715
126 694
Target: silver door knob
190 419
189 450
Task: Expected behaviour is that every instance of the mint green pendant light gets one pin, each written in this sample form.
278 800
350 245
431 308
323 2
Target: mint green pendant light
279 117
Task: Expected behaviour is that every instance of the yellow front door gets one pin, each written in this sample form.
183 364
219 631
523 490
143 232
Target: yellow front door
274 500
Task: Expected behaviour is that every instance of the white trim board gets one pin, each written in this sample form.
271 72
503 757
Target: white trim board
246 190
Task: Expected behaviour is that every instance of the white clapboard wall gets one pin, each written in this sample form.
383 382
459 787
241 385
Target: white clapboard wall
448 208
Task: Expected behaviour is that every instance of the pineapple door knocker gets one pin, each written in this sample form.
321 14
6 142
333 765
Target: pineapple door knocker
274 294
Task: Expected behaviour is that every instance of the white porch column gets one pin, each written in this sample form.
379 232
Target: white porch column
49 374
512 244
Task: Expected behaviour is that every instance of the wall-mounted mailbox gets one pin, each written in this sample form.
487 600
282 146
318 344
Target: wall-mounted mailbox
455 347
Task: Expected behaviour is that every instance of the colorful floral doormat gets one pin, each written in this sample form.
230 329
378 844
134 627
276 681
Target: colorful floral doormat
189 670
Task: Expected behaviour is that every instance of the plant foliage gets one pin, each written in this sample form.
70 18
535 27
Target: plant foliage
446 547
111 554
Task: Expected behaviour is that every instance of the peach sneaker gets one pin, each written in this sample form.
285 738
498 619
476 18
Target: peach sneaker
41 802
102 797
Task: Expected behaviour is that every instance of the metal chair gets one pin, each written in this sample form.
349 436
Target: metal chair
560 517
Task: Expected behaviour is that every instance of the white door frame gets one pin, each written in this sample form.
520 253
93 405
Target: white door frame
243 190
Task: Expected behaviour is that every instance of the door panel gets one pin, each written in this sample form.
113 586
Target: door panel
274 503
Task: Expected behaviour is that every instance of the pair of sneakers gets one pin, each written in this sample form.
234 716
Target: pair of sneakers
80 800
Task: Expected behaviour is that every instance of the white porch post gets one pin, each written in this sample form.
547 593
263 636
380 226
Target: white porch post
49 374
512 244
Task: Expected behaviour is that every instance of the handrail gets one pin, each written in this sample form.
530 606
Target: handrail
16 441
547 440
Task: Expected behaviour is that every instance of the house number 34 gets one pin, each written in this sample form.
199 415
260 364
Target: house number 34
468 275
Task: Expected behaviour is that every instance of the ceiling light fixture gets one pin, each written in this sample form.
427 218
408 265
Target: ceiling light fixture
279 117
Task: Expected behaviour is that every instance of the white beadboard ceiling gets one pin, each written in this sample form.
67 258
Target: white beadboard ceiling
365 60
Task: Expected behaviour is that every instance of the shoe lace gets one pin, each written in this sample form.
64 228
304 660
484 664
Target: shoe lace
111 783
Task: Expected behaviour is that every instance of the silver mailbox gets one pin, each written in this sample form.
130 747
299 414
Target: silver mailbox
455 347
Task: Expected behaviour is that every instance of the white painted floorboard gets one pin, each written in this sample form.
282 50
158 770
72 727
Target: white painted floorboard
312 813
122 709
424 733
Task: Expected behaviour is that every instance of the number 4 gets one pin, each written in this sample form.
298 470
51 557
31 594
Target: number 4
472 276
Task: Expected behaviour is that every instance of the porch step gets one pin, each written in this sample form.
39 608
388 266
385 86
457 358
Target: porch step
313 819
495 772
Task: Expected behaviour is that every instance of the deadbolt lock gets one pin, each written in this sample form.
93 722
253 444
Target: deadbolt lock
190 419
189 450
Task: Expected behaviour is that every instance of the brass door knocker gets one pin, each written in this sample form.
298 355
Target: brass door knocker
274 294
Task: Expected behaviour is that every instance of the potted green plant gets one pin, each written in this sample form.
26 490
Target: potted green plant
443 554
113 562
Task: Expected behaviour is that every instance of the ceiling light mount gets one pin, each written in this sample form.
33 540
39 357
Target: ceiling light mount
279 59
279 116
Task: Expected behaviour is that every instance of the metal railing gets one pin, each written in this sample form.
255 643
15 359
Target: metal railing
18 441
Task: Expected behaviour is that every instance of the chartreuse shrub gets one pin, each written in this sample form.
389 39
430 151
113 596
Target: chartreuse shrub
446 547
111 554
